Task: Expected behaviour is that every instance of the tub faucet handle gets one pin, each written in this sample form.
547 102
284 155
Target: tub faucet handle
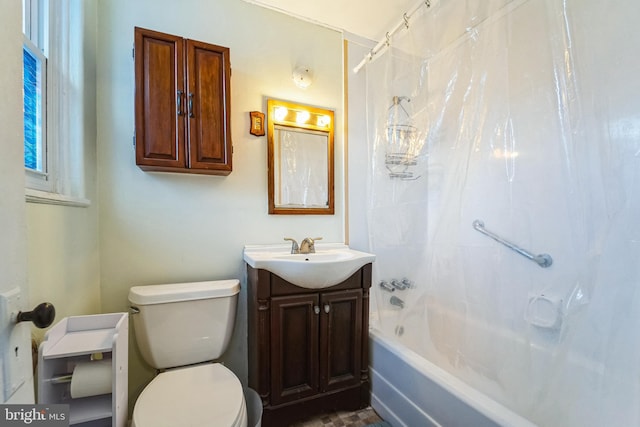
294 245
386 286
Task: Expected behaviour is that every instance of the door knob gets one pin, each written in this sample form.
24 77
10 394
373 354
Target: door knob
42 316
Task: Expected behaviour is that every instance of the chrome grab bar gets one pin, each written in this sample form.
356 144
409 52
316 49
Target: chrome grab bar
543 260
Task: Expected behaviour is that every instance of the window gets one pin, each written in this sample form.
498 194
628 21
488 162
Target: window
53 94
35 96
35 100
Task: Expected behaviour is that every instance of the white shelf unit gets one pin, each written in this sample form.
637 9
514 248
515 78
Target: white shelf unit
81 339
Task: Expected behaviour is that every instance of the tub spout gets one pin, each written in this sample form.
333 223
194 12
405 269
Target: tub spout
394 300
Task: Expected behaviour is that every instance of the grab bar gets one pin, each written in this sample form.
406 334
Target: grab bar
543 260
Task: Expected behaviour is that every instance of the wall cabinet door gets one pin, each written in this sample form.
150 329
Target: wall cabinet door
182 104
160 124
207 85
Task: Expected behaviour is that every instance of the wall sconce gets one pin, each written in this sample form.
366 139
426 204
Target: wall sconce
303 77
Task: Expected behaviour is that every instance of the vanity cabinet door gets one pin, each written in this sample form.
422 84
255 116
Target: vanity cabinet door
294 347
340 339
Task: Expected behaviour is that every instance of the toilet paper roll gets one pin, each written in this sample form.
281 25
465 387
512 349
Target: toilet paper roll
91 379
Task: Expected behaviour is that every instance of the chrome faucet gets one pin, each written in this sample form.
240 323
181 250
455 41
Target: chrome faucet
308 245
294 245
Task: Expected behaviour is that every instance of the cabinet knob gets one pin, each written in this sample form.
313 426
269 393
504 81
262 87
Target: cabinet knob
42 316
316 309
327 308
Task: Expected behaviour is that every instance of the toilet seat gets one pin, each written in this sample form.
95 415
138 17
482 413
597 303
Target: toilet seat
198 396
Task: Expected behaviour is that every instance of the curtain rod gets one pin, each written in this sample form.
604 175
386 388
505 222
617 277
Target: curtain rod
385 42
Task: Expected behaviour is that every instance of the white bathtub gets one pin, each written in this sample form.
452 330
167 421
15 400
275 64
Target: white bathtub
408 390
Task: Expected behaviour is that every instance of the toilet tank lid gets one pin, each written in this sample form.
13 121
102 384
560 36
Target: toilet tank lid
174 292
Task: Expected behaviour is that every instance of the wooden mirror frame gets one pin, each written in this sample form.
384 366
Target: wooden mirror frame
313 126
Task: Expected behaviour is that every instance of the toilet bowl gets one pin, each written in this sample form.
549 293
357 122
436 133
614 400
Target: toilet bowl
204 395
181 329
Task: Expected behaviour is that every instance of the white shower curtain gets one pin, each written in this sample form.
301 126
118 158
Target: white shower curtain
525 115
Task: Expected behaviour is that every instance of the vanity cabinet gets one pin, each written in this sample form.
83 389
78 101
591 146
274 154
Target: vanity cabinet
182 104
308 348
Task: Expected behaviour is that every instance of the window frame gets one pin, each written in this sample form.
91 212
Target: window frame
56 28
35 27
41 179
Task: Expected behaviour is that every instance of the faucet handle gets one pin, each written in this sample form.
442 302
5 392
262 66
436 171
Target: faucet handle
313 239
295 249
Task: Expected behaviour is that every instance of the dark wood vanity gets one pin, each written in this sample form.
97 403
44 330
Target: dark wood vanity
308 348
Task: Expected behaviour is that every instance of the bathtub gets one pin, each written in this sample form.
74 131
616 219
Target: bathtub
408 390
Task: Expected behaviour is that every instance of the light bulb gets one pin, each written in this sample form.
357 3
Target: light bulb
324 121
302 116
280 113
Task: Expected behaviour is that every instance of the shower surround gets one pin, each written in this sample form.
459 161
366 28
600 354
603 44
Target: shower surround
524 115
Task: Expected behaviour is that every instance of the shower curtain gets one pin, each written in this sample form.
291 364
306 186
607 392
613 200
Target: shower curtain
524 115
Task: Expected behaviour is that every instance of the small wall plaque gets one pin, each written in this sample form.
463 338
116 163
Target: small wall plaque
257 123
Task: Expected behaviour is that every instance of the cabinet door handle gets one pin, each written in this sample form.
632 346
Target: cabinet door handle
316 309
327 308
179 103
191 105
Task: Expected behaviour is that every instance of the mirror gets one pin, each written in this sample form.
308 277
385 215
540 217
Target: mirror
300 159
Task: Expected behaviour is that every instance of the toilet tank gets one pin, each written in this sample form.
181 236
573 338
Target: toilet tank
183 323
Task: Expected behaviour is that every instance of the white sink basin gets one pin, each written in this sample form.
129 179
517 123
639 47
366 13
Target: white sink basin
331 264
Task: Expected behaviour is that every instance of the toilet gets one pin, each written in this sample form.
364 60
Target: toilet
180 330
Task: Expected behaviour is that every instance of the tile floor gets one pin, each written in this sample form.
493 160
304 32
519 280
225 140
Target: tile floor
359 418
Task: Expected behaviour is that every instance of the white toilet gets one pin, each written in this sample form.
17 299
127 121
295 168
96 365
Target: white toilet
180 329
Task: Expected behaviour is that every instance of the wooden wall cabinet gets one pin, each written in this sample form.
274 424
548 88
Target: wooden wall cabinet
182 104
308 348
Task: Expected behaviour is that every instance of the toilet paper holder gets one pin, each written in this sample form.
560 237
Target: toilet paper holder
61 379
67 377
92 352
